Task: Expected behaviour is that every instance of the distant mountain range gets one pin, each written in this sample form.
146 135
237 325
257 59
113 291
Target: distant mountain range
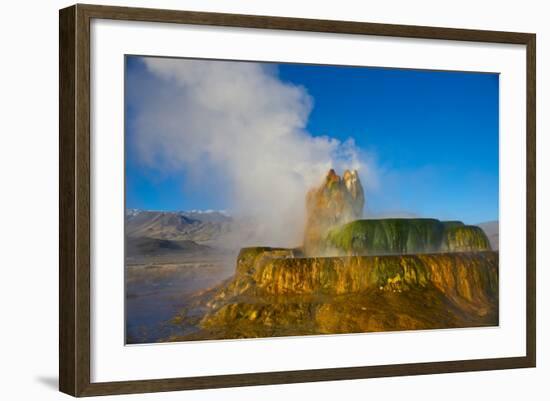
491 229
205 228
200 215
213 228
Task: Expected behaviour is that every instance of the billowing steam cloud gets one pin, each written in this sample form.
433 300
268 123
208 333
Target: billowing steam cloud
238 129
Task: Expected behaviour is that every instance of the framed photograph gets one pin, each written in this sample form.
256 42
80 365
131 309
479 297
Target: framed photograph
250 200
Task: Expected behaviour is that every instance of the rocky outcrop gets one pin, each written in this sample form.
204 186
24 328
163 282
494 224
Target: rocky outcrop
336 202
403 236
276 293
265 271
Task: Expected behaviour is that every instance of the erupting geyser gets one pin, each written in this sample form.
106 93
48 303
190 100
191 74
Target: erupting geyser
382 275
337 201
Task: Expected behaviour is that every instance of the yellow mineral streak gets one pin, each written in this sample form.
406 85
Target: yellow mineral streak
275 293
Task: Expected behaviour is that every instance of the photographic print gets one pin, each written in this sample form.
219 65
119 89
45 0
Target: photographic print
281 199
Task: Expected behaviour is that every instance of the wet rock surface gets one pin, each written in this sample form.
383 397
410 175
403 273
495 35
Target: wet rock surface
275 293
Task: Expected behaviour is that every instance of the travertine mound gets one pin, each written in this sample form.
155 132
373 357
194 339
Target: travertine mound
403 236
274 293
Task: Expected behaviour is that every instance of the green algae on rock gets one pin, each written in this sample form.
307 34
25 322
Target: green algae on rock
465 238
404 236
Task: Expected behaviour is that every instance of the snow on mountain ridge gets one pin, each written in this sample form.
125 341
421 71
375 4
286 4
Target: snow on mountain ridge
135 211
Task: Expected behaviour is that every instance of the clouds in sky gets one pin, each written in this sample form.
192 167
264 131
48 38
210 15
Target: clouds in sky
237 128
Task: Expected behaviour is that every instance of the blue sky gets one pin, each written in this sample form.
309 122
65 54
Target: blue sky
432 135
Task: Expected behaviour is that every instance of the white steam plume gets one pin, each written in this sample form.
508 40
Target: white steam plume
238 124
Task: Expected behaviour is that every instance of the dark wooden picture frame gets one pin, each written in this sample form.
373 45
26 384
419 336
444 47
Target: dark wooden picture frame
74 199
